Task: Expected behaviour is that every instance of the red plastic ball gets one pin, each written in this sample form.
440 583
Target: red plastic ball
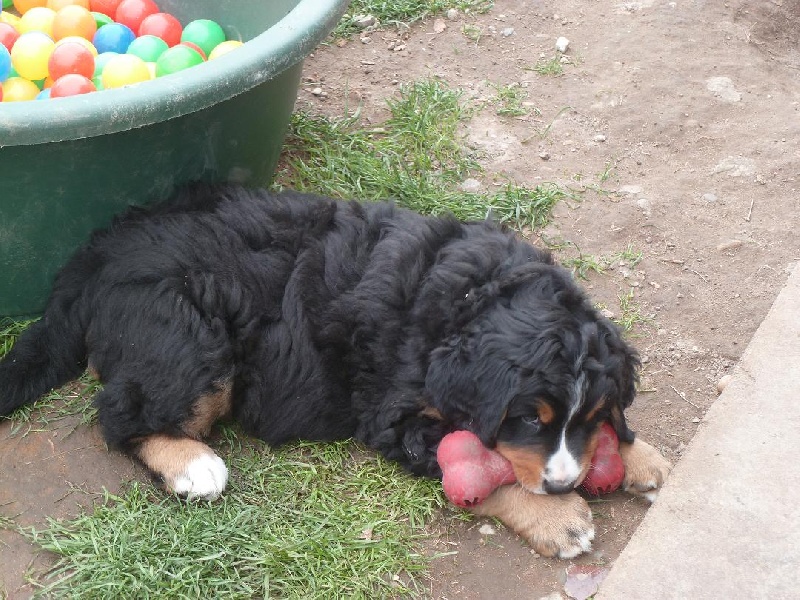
164 26
106 7
133 12
71 85
71 57
8 35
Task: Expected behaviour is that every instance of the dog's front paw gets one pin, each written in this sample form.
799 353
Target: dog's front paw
645 469
187 467
556 526
204 478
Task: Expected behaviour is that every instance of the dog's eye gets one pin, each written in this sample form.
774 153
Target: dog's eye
532 421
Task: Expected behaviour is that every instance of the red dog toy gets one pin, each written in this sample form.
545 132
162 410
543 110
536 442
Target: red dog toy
471 471
606 470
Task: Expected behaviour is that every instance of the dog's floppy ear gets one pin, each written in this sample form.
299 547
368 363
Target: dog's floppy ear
469 387
624 371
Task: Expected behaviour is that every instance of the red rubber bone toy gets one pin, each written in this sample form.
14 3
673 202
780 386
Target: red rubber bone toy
471 471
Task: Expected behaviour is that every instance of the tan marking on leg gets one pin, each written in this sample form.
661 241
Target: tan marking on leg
645 468
558 525
528 465
188 467
207 410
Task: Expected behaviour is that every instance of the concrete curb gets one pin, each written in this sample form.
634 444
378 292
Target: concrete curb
727 523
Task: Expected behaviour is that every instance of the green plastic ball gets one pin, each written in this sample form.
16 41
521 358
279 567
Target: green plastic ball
205 33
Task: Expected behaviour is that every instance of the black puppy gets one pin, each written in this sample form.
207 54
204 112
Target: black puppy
306 317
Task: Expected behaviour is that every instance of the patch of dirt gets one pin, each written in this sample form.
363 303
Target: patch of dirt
680 121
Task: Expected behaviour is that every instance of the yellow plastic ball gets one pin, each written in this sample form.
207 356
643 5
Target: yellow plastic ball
19 89
30 54
124 69
224 48
10 19
38 18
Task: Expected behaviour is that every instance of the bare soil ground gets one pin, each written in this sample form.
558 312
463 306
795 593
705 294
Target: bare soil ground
679 121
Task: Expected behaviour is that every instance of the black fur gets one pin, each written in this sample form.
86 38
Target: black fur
331 319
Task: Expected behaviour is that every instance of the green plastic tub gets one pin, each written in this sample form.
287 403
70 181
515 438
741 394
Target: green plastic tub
68 165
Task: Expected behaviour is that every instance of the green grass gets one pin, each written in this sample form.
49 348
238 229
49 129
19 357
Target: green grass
310 521
403 12
548 67
414 158
508 100
631 314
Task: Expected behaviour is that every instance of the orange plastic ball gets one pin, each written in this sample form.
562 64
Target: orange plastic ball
74 20
24 6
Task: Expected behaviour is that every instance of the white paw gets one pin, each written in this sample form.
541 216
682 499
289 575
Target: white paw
582 542
203 479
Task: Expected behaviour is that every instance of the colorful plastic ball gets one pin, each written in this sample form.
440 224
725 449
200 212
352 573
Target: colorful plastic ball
19 89
5 63
9 19
57 5
148 48
43 95
196 48
8 35
74 20
133 12
124 69
177 59
114 37
38 18
78 40
224 48
100 19
8 3
205 33
24 6
163 25
71 58
107 7
71 85
31 53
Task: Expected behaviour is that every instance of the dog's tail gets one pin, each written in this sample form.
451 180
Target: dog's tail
52 351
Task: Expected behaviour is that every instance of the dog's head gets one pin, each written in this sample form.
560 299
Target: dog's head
533 369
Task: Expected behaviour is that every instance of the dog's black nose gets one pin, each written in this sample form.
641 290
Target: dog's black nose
558 487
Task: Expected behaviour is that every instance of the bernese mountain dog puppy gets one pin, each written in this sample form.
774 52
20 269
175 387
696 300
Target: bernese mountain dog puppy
304 317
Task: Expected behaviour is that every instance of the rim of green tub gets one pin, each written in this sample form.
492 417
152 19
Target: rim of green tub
267 55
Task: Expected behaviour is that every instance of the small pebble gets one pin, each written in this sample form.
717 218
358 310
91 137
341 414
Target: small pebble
723 383
487 529
709 198
544 155
452 14
364 21
470 185
599 138
508 31
562 44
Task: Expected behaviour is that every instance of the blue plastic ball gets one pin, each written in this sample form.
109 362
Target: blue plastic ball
114 37
5 63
